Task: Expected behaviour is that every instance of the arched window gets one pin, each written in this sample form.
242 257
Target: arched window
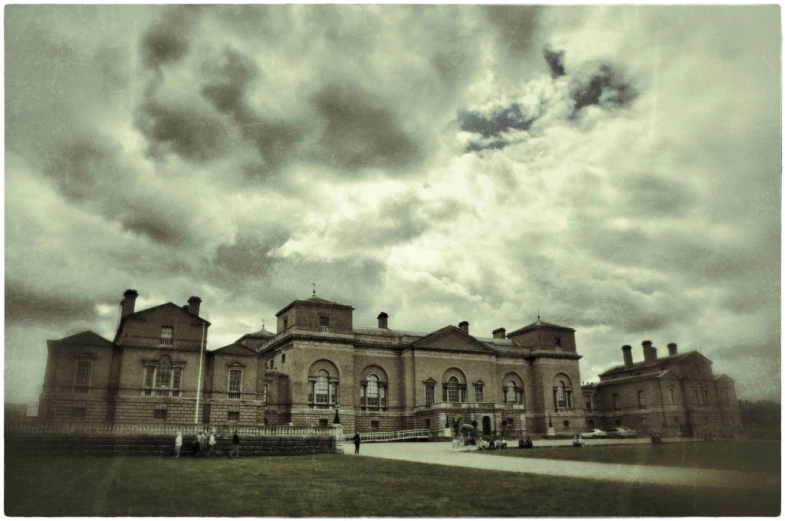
562 395
454 386
512 393
161 378
453 393
322 390
373 393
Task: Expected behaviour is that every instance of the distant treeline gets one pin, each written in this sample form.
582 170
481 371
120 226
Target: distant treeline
761 413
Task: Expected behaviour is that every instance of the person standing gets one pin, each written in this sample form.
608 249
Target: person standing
202 443
356 442
211 444
235 446
178 444
197 448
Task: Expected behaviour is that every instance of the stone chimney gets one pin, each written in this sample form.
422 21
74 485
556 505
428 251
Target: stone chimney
382 318
464 326
672 349
500 333
649 351
129 301
626 351
193 305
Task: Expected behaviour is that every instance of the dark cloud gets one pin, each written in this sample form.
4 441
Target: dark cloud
500 121
657 196
84 166
555 61
515 25
359 131
23 305
496 144
168 39
605 87
229 81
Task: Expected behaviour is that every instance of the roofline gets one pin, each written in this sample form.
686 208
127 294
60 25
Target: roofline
311 303
535 326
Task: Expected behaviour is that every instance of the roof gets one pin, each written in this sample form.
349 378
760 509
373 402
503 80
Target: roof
262 333
88 338
235 349
452 330
315 301
631 378
539 324
649 364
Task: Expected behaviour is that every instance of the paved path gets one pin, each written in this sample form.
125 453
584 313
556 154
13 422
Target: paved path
441 453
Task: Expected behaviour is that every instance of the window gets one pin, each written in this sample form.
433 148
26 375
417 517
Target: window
618 422
322 390
78 413
478 394
428 424
696 395
672 395
562 396
235 384
84 369
513 393
266 393
725 397
323 423
162 379
324 324
285 324
167 335
373 393
616 402
641 400
587 400
375 425
706 397
453 391
557 341
159 414
283 358
429 394
566 423
233 416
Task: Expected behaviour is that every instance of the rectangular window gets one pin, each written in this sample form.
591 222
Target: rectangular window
641 400
672 395
235 383
266 393
383 397
176 377
375 425
616 402
233 416
167 335
283 358
159 414
725 397
557 340
706 396
78 413
478 397
566 423
84 369
324 324
323 423
588 403
428 395
696 396
285 324
149 372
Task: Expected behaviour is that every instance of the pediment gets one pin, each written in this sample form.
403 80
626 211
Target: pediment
235 364
451 338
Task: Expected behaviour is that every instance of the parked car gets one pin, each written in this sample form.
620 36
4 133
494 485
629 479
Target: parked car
595 433
621 432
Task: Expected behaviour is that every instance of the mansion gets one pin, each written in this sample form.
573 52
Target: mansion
318 365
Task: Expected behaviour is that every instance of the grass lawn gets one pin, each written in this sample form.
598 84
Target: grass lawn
337 486
750 456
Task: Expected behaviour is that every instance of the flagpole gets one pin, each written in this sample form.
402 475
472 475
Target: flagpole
199 381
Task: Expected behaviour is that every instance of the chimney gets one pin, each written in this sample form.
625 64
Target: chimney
626 351
382 318
129 301
193 305
500 333
672 349
464 326
649 352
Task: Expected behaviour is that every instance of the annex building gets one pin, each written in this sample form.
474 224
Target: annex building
525 382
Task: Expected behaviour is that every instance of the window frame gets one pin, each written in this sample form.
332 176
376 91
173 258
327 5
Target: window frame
237 392
151 378
80 387
331 390
164 340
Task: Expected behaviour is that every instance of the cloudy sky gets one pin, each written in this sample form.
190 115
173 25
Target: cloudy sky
617 169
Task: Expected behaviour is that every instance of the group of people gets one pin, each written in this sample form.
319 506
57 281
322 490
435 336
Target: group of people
491 443
204 445
526 444
577 441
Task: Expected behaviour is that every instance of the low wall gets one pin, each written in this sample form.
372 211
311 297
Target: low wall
158 445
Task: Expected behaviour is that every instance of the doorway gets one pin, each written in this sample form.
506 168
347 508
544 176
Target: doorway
486 425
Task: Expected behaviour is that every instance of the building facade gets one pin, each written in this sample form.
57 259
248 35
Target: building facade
316 365
677 395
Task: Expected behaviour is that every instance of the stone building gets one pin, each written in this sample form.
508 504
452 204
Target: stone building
677 395
378 378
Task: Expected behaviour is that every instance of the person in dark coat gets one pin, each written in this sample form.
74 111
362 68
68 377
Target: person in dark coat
356 442
235 446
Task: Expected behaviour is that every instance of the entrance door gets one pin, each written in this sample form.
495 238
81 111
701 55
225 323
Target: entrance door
486 425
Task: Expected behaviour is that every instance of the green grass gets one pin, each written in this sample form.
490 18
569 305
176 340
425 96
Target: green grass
750 456
337 486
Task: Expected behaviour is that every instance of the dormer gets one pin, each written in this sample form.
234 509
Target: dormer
316 315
